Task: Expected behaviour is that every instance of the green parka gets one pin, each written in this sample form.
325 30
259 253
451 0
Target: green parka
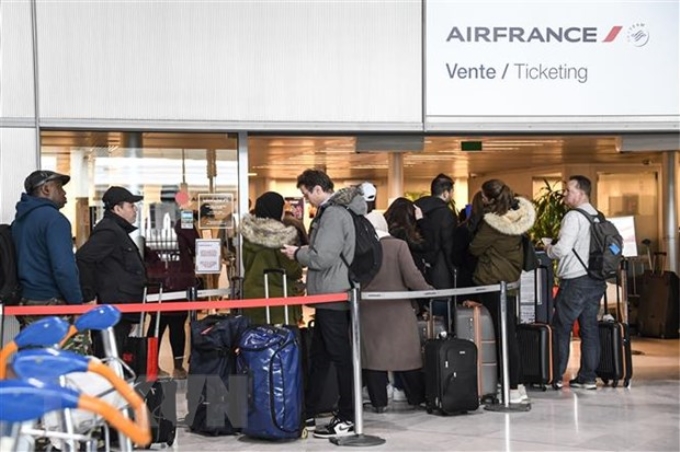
498 244
262 240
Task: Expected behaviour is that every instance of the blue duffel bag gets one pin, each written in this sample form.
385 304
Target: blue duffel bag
271 358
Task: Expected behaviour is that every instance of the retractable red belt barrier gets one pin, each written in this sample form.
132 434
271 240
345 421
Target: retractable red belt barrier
180 305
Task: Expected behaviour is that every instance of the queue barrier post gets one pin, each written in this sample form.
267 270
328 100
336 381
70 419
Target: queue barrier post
358 439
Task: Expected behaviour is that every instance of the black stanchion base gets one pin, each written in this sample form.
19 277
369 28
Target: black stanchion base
357 441
511 408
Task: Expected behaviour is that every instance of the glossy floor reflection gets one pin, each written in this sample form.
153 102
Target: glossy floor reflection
645 417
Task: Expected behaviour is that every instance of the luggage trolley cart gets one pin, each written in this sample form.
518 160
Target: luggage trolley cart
48 365
25 401
51 331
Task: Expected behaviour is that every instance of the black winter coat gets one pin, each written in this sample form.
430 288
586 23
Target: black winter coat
437 226
111 268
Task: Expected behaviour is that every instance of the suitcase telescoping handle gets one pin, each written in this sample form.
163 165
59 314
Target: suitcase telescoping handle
447 323
541 269
621 288
142 315
282 272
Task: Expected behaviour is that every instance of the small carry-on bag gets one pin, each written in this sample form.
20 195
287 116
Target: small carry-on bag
658 314
141 353
212 384
536 344
616 356
160 397
271 356
450 374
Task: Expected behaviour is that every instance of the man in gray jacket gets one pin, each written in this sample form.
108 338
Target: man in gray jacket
331 235
579 296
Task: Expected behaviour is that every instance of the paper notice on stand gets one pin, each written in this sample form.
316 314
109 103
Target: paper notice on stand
208 256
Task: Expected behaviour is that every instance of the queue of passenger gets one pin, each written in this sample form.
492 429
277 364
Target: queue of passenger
423 247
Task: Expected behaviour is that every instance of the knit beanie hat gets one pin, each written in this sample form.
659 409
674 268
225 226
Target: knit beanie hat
270 205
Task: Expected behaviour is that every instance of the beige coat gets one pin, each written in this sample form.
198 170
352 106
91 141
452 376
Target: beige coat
389 329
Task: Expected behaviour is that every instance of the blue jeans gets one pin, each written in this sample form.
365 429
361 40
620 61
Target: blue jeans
578 298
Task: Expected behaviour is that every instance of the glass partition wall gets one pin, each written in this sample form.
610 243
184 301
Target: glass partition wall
187 179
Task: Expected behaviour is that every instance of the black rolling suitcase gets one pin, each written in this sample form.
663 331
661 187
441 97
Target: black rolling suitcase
160 397
616 357
450 374
536 342
658 314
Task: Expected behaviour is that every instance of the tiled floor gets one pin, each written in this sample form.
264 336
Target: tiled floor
645 417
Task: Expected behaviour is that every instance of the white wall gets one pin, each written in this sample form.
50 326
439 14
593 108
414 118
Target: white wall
16 64
17 160
240 65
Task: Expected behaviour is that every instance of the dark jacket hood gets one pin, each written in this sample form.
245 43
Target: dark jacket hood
267 232
429 203
29 203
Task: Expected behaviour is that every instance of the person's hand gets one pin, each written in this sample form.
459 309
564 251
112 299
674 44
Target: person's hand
419 213
289 251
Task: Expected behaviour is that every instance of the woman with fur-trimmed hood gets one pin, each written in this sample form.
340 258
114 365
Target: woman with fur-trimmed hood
498 248
264 234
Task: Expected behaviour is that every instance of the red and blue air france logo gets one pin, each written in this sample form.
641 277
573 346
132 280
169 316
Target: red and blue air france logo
636 34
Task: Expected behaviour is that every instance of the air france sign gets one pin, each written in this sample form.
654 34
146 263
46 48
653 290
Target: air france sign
552 62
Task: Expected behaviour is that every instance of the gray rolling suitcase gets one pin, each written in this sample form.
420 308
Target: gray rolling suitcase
475 324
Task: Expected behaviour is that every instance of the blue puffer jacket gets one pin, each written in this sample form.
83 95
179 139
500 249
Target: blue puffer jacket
46 264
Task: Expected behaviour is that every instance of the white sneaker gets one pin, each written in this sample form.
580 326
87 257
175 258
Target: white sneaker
515 397
523 392
398 395
390 391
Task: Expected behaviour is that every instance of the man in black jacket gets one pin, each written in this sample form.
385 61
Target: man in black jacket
437 229
111 267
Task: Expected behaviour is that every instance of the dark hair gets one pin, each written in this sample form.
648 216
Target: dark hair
401 214
476 213
500 197
440 184
310 178
583 184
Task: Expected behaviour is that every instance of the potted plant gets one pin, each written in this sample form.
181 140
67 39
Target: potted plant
550 209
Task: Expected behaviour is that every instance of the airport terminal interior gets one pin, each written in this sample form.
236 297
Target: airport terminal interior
181 171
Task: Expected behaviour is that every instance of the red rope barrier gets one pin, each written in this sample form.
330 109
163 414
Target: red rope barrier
174 306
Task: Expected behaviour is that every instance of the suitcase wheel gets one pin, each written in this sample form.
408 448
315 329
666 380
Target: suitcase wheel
544 388
429 410
304 433
615 383
605 381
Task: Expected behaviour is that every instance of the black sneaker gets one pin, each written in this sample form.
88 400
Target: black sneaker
310 424
335 428
578 384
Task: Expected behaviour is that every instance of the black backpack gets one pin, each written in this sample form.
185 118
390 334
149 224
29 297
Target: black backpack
606 247
10 290
367 251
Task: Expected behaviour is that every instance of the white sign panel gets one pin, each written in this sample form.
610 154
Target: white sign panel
208 256
550 58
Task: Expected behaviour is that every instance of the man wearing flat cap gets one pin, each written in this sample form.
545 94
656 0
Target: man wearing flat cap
46 265
111 268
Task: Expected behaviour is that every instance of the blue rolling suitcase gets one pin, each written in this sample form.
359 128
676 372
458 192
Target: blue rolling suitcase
271 357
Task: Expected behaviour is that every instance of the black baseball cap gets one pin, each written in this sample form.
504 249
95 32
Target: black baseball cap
115 195
41 177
